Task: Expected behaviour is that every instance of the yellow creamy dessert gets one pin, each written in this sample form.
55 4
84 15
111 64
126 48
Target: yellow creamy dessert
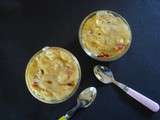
105 35
52 74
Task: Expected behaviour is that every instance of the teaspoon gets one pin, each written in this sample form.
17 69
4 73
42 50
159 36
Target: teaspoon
105 75
84 100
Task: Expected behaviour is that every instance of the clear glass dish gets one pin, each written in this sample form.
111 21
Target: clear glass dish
41 98
90 53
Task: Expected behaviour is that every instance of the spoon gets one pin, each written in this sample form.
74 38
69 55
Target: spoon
84 100
105 75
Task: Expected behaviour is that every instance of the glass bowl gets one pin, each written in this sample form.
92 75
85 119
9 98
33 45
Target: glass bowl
89 52
42 99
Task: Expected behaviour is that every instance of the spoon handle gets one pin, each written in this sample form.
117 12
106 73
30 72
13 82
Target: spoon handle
63 118
150 104
70 113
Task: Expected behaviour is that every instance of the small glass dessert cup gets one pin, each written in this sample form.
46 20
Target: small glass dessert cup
53 75
105 35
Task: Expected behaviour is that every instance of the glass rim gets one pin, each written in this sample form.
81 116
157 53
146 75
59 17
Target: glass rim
90 53
53 101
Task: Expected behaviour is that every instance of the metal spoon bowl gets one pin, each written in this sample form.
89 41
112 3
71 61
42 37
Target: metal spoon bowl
87 96
98 72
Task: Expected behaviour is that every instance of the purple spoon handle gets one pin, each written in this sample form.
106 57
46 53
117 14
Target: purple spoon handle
150 104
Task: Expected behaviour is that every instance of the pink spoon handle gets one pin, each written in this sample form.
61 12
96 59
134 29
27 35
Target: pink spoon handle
150 104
